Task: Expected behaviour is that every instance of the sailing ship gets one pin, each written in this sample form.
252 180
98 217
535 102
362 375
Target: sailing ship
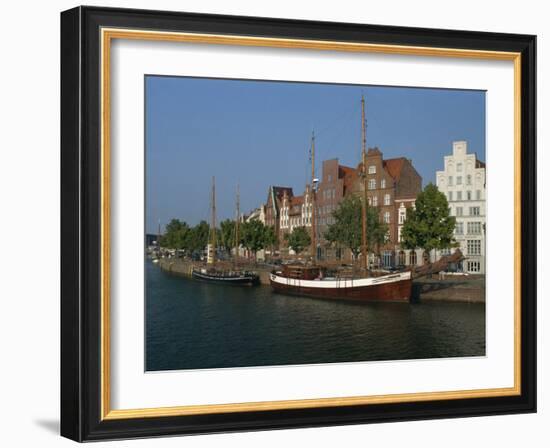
319 282
218 273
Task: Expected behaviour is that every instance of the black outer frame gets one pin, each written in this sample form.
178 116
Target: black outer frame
80 223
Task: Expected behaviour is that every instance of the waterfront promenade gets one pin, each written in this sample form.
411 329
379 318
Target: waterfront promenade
449 289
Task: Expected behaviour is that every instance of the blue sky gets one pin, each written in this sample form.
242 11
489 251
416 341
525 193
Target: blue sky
257 134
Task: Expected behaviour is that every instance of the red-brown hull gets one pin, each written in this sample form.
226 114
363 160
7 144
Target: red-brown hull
395 292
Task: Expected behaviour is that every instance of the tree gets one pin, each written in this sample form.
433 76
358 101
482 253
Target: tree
198 238
298 239
176 235
347 229
270 238
227 234
428 225
253 235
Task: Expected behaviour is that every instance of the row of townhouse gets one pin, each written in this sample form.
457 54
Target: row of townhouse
392 187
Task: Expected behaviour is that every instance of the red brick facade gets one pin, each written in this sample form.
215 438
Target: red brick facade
392 185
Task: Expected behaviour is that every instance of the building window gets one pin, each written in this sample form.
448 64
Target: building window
329 178
383 183
459 180
459 211
372 169
401 258
459 228
478 195
387 258
473 247
474 228
387 217
451 181
402 215
474 211
413 258
450 195
375 201
386 199
459 195
372 184
469 195
468 180
458 168
473 266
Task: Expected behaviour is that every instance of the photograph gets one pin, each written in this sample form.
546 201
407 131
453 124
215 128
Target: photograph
299 223
274 222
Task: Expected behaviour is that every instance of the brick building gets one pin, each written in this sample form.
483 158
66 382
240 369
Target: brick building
273 206
392 187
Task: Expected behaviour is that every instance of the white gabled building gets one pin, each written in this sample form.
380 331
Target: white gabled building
463 182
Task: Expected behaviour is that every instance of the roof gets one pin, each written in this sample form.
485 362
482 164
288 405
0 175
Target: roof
349 175
297 200
345 171
394 166
480 164
280 191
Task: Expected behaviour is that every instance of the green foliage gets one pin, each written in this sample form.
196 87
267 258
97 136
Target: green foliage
176 236
199 237
270 239
348 226
298 239
429 226
227 234
253 235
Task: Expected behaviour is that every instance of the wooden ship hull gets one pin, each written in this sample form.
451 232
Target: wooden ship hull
226 278
387 288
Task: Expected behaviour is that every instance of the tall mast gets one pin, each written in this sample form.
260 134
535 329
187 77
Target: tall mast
213 221
313 244
237 222
364 248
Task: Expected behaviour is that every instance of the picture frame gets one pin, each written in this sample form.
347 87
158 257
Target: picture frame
86 206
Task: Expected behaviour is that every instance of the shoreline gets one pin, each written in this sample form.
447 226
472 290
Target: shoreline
462 289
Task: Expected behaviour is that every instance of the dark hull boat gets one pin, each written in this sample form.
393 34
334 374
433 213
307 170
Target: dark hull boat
226 277
395 287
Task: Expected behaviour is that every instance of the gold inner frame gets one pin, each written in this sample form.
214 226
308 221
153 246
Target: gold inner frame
107 35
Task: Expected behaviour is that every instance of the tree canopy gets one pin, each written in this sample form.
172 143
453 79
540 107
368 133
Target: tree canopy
298 239
253 235
177 235
429 224
348 226
227 234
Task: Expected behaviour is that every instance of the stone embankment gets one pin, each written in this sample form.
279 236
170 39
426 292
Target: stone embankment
456 289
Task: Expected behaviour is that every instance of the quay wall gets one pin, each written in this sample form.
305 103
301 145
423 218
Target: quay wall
470 290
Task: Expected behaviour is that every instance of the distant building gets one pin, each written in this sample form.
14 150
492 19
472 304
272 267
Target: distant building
392 187
273 207
150 239
258 213
463 182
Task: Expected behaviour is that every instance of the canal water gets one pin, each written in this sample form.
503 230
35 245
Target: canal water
195 325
